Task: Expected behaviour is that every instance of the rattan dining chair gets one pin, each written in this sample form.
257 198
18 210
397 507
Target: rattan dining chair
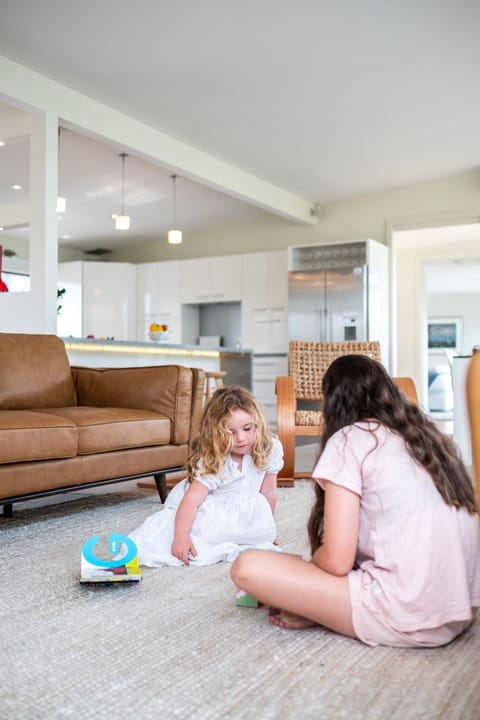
473 405
299 395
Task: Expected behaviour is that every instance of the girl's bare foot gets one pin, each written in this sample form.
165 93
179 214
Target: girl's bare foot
289 620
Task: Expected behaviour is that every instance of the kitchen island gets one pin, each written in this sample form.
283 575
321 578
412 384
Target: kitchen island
93 352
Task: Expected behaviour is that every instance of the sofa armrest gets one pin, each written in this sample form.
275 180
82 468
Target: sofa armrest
171 390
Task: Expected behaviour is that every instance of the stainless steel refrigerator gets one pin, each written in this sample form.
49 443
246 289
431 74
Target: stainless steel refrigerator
339 292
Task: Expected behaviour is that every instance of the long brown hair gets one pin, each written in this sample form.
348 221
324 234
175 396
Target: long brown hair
356 388
214 440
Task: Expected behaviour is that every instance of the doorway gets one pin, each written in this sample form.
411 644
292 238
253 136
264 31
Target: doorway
435 273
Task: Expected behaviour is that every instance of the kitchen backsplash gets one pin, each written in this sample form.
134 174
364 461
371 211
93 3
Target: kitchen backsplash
222 319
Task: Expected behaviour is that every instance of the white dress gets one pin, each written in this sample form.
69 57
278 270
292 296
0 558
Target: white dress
234 516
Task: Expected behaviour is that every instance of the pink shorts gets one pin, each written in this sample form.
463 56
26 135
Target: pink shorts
373 630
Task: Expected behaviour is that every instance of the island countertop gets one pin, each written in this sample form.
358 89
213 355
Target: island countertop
100 352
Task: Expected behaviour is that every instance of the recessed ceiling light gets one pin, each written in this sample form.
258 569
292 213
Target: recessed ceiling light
2 143
2 229
16 187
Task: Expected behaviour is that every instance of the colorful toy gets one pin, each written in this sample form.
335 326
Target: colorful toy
118 569
243 599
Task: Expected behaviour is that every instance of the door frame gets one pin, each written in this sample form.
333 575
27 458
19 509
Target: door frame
408 306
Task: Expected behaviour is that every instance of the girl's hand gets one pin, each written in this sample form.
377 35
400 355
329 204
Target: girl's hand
182 548
182 545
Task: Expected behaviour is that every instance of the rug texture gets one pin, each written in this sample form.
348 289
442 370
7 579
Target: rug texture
176 646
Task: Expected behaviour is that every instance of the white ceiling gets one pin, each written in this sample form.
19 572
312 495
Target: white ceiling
90 178
323 99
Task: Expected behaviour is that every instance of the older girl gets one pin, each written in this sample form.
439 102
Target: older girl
394 532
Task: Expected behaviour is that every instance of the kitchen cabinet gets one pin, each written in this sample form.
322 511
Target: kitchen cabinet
109 300
99 300
158 298
265 301
70 315
266 368
209 280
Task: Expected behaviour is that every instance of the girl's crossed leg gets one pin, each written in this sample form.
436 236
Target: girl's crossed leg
298 588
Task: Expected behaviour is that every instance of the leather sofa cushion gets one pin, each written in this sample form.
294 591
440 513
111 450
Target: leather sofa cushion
163 389
26 436
35 372
102 429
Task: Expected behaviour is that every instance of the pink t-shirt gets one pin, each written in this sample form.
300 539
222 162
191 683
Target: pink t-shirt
419 558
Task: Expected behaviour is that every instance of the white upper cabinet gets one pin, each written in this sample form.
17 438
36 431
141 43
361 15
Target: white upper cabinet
209 280
195 280
109 300
265 301
99 300
146 290
158 298
70 313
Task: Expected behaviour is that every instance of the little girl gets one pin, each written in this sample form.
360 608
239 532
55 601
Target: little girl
228 499
394 532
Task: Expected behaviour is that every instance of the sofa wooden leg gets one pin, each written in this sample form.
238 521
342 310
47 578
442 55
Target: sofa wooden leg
161 483
7 510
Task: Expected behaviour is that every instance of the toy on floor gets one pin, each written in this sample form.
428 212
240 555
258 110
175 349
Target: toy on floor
243 599
118 569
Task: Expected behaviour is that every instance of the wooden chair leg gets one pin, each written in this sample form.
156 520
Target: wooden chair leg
213 381
286 428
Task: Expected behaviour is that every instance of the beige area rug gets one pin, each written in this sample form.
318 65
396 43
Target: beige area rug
175 645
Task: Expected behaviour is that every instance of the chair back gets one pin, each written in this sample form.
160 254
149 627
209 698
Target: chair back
407 386
308 362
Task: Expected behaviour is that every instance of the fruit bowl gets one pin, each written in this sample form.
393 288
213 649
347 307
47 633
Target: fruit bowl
159 335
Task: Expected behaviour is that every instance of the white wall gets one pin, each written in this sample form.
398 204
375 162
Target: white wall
35 311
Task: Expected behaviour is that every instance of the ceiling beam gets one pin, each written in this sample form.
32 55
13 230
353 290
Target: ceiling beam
93 118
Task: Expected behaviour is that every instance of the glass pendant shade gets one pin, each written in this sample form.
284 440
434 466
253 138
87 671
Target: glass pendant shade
122 222
175 237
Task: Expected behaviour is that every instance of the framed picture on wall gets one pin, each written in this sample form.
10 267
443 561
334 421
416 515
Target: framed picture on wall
445 334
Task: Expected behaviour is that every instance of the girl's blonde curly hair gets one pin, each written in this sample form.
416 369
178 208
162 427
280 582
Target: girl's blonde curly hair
214 440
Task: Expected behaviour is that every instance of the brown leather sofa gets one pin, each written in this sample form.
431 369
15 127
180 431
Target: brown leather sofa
64 427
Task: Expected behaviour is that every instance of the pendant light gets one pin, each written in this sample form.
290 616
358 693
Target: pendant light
122 221
174 236
61 201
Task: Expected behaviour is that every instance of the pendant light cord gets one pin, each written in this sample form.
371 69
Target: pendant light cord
58 159
123 156
174 178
